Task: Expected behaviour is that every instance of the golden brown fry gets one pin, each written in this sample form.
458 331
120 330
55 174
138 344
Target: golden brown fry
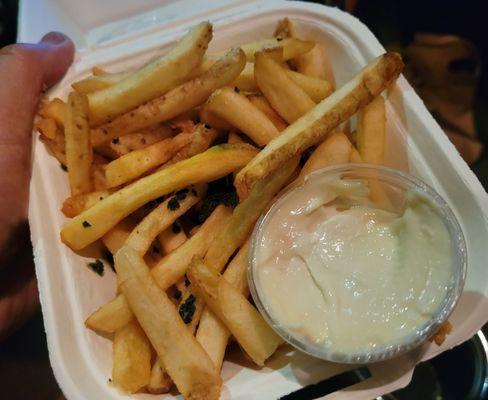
327 115
98 82
236 109
160 382
336 149
79 154
111 317
234 138
313 63
285 28
172 238
214 163
116 237
55 109
245 81
317 89
181 99
131 358
288 99
212 334
245 215
260 102
440 336
47 127
355 157
152 80
185 360
371 131
169 271
210 118
136 163
75 205
97 70
249 328
56 146
163 216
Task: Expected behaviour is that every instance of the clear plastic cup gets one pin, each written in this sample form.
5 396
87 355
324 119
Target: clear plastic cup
395 184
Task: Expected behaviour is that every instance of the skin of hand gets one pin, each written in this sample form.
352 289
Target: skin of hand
26 71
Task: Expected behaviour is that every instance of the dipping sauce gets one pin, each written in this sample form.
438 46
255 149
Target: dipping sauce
336 270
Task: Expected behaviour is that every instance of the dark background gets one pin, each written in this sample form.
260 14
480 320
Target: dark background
24 366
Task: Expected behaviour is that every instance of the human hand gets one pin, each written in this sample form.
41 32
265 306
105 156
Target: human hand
26 70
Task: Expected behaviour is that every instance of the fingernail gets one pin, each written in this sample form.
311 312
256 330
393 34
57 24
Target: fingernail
53 38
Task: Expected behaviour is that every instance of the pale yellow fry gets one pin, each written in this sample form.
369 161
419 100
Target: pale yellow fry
313 63
111 317
171 240
212 334
187 364
314 126
116 237
245 215
263 104
79 154
170 270
56 146
55 109
152 80
136 163
236 109
131 358
162 217
211 119
371 131
317 89
292 47
47 127
98 82
245 81
288 99
181 99
75 205
214 163
336 149
249 328
160 382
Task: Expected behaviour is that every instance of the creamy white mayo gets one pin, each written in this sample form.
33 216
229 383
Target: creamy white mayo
336 271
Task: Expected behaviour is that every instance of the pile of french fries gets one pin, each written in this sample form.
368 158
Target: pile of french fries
142 150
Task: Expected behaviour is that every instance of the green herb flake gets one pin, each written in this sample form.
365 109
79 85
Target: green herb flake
187 309
96 266
156 250
279 39
177 294
236 89
116 141
181 194
176 228
86 224
109 258
64 167
173 204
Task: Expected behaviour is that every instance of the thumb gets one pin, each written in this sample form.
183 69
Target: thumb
25 71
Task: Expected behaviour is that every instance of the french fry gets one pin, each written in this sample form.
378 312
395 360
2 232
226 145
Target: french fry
174 102
285 29
313 63
212 334
371 131
441 335
210 118
163 216
169 271
214 163
98 82
97 71
245 215
56 146
317 89
245 81
78 147
185 360
355 157
172 238
336 149
55 109
134 141
75 205
201 139
160 382
152 80
47 127
292 47
111 317
260 102
249 328
236 109
234 138
134 164
327 115
131 358
116 237
288 99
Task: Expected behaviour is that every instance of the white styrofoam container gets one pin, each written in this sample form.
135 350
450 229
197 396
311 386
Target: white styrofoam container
119 35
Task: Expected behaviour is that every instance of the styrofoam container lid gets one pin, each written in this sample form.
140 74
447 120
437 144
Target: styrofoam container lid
120 34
